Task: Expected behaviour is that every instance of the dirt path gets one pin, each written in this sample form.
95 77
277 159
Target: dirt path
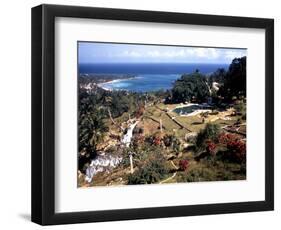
170 178
173 164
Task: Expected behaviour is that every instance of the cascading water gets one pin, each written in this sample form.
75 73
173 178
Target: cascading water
106 162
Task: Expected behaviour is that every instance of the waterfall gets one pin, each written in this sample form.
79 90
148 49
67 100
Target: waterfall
128 136
105 162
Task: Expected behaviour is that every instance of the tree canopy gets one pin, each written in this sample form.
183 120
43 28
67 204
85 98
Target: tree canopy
190 86
198 87
218 76
234 83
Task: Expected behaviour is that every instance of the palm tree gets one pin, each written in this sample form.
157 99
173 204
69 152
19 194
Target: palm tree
92 130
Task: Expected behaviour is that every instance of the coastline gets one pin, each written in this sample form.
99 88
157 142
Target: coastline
101 85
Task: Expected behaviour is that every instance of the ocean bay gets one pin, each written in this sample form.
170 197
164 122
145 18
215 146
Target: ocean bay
147 77
142 83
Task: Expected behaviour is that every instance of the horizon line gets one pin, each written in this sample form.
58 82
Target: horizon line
214 63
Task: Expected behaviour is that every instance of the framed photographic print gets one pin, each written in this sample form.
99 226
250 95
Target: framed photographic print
142 114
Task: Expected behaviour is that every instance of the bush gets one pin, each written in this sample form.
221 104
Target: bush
155 139
168 140
200 174
173 142
211 147
183 164
236 148
210 133
151 172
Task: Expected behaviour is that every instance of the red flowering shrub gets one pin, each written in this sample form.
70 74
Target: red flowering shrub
224 138
211 147
157 140
238 149
183 164
235 146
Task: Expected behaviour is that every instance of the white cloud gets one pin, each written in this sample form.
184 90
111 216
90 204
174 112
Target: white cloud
132 53
192 54
154 53
201 52
208 53
214 53
231 54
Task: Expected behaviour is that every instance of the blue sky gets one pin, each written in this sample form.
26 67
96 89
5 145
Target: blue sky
91 52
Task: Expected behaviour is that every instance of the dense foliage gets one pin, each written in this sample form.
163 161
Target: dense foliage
234 83
189 87
236 148
94 109
199 174
198 87
183 164
218 76
152 171
207 135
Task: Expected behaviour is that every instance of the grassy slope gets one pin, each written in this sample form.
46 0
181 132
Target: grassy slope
214 171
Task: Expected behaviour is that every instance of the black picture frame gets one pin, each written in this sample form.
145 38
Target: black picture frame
43 114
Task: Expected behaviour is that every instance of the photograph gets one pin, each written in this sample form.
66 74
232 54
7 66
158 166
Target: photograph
143 113
158 114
